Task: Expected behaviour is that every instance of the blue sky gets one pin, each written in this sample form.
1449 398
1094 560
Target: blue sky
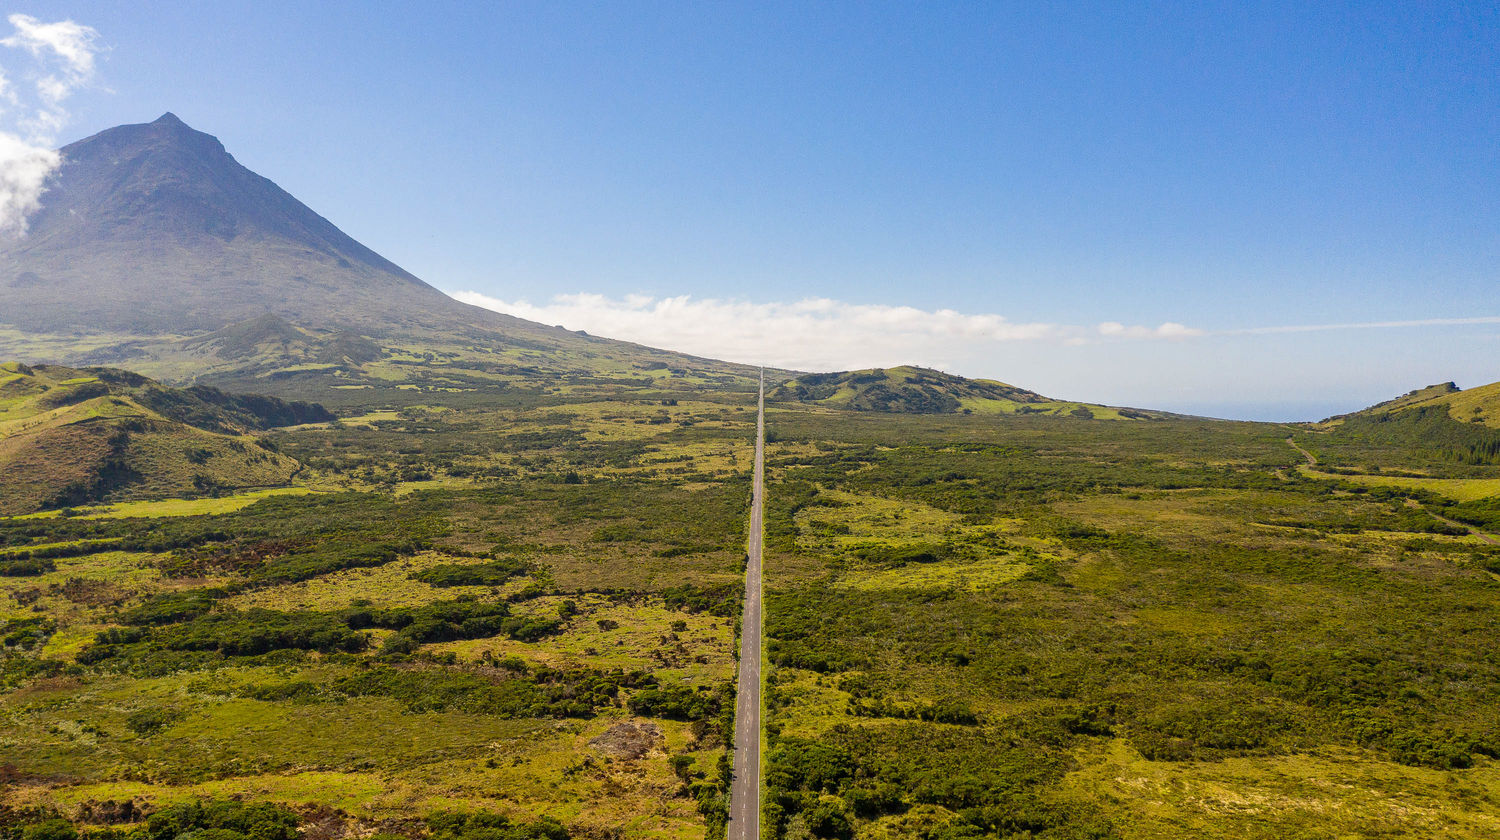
1224 167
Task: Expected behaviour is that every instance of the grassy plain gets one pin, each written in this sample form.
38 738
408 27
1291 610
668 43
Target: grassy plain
526 610
523 601
1053 627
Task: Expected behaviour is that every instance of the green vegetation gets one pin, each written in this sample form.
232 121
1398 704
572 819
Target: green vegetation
914 390
469 601
516 602
69 437
997 627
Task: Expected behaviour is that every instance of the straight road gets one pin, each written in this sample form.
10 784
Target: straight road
744 790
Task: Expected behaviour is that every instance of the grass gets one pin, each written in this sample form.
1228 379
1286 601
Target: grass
1342 793
389 585
175 507
656 504
1136 573
1458 489
68 437
631 636
1115 630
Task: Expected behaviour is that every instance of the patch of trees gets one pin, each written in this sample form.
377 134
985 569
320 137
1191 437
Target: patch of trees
677 702
545 439
212 409
533 692
172 607
896 556
1481 513
213 819
184 622
334 555
446 621
721 599
26 633
995 780
79 548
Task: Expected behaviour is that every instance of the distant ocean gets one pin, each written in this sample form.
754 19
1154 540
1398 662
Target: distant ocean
1275 412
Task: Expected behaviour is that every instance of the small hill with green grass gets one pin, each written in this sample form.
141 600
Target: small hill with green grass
914 390
1477 406
70 436
1462 426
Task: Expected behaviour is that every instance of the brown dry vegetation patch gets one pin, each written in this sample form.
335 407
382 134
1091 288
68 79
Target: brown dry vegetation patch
629 739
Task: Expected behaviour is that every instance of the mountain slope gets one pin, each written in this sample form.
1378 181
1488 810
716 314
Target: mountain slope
155 249
1480 406
71 436
914 390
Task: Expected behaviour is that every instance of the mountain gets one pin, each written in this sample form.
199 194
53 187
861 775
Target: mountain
915 390
69 436
155 249
156 228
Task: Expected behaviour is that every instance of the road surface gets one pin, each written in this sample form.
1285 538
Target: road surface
744 790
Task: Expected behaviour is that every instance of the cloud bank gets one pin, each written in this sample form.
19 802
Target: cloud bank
810 334
61 60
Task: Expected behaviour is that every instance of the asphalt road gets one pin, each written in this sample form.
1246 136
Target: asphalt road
744 790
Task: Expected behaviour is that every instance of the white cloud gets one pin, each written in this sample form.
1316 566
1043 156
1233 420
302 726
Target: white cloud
809 334
63 60
23 175
1170 329
1369 325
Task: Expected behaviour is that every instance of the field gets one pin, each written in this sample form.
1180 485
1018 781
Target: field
1061 628
524 611
1003 624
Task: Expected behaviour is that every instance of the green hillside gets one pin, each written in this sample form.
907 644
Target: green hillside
1480 406
1477 405
70 436
915 390
1438 432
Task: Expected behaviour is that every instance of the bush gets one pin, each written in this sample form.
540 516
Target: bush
56 828
26 567
482 826
721 599
223 820
674 703
493 573
151 720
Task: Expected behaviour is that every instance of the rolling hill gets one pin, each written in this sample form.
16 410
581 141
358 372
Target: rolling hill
70 436
1455 425
156 250
1479 405
916 390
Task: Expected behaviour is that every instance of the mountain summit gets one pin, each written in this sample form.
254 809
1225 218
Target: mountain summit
155 228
